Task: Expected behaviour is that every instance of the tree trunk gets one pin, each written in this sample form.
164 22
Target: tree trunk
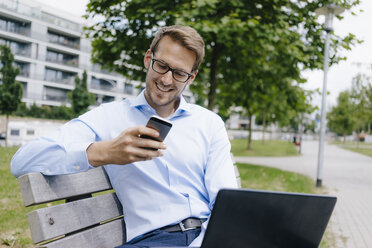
264 126
213 75
250 132
6 130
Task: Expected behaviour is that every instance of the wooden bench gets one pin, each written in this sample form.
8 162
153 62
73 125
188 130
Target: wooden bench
81 220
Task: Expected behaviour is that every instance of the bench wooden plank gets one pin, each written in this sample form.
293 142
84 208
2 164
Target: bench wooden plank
37 188
54 221
108 235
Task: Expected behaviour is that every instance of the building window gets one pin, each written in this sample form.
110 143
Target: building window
63 40
15 27
55 94
24 85
17 48
108 99
62 58
58 76
128 88
24 69
2 24
103 84
30 132
14 132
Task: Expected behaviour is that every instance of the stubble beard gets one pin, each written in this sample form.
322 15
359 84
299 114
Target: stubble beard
151 84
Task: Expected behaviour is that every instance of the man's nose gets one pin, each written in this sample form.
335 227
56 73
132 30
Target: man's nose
167 78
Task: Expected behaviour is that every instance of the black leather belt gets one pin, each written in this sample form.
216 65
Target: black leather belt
185 225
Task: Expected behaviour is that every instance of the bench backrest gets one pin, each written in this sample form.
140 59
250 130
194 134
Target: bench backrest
82 220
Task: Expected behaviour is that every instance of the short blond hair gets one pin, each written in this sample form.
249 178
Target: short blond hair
186 36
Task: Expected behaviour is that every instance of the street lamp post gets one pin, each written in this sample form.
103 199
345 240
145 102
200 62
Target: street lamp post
328 11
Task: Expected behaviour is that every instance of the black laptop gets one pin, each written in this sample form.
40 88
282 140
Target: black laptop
243 218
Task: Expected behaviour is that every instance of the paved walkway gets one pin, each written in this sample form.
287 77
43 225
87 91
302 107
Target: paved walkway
348 176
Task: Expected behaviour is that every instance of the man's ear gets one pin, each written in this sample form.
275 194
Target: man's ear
192 78
147 59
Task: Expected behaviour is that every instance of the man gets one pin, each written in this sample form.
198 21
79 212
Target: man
159 189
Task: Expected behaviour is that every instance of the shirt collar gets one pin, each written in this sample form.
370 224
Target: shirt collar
140 101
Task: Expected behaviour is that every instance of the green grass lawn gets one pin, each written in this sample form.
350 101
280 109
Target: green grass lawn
362 148
269 148
14 230
266 178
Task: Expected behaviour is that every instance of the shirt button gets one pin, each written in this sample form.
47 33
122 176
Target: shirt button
77 167
47 171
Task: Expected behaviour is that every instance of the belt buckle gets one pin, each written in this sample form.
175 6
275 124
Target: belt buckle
182 226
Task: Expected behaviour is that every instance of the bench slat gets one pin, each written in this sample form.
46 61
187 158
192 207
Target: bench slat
54 221
108 235
37 188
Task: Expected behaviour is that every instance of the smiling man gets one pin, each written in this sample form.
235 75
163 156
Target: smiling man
167 193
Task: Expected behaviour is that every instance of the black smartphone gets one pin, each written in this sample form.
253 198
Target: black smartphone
161 125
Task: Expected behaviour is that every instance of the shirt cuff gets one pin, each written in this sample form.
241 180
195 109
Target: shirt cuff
77 157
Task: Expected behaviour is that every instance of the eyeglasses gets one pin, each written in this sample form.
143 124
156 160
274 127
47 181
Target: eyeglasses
162 68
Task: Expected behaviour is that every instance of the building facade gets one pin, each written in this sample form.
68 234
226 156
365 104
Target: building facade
51 50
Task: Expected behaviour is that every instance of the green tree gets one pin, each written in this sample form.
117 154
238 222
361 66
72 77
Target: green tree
361 103
10 90
341 118
232 30
80 98
369 107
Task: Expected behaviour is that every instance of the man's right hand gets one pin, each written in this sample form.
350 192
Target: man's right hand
126 148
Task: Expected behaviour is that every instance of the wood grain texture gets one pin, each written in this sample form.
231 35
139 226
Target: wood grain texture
37 188
108 235
51 222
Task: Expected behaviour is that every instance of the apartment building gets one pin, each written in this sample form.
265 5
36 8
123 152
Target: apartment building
51 50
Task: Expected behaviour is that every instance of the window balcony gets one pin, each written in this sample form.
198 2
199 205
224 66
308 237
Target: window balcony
61 58
18 48
55 94
103 84
24 69
58 76
35 12
15 27
63 40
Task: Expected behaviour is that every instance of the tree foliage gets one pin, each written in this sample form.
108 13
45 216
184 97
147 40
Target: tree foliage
80 98
45 112
360 89
253 49
231 29
10 90
340 118
353 111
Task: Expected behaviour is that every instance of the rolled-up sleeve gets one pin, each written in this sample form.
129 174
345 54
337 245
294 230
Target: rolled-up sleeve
62 152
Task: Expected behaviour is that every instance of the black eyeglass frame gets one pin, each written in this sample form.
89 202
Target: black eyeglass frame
153 60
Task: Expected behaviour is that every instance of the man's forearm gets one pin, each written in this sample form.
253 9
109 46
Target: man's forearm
96 153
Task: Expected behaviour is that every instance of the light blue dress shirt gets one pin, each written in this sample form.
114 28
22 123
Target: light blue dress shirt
183 183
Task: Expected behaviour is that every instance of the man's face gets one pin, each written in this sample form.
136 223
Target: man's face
162 90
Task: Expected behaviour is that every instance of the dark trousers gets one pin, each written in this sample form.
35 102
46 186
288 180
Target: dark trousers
163 238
